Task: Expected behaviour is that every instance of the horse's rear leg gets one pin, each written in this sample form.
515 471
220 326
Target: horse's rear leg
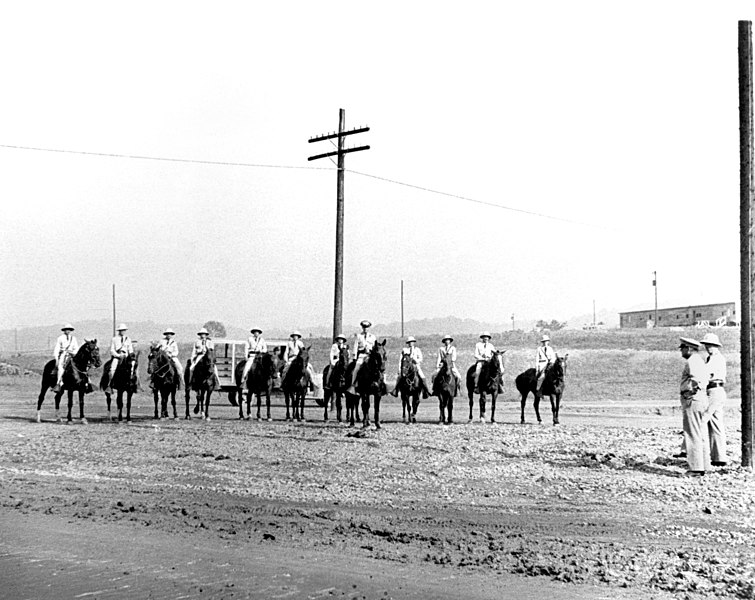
450 409
81 407
492 407
301 407
483 400
536 403
415 406
555 405
119 404
365 411
173 403
129 395
187 398
339 407
471 405
377 411
267 404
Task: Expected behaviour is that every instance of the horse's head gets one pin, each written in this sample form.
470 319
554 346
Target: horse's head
408 368
304 354
378 356
343 355
559 366
91 353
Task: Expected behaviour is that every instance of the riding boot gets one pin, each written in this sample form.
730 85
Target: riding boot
394 393
425 391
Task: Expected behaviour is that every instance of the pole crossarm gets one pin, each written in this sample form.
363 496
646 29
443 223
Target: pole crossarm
329 136
337 152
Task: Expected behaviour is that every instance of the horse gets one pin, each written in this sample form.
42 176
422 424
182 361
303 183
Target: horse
295 385
259 380
445 387
336 387
125 379
75 378
203 383
410 387
553 387
164 378
371 382
491 382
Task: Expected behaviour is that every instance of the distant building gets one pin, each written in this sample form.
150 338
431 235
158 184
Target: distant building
681 316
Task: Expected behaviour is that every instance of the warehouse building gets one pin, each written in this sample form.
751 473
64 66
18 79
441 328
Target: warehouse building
681 316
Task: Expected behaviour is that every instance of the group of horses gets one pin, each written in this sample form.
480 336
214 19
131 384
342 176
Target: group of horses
340 391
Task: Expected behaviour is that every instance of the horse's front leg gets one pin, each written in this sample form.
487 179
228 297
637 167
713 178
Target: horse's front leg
129 395
415 406
172 394
208 395
450 408
536 404
301 406
377 410
483 401
523 403
156 398
69 418
365 410
471 405
339 407
493 398
81 407
287 400
187 398
119 403
555 405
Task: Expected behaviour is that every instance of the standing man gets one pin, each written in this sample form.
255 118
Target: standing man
254 346
363 345
293 347
483 351
447 351
694 401
716 364
545 356
66 346
120 347
415 354
170 346
335 354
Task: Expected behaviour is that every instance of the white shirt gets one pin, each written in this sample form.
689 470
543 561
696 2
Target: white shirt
450 352
364 343
483 350
545 356
292 350
255 346
121 344
201 347
716 367
415 353
65 343
335 353
170 346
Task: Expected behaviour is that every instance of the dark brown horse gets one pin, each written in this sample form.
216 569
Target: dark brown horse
491 382
203 383
125 380
445 386
295 385
410 388
259 381
371 382
334 386
553 387
75 378
165 380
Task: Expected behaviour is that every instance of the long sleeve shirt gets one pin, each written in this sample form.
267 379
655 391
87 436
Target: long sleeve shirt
170 347
65 343
120 345
201 347
415 353
364 343
694 376
292 350
444 352
545 356
483 350
253 346
335 353
716 367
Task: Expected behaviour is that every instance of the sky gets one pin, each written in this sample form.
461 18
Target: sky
578 147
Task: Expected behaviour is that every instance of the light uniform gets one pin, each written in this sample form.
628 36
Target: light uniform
293 348
253 347
416 355
200 348
335 354
716 368
694 401
66 346
170 346
546 355
120 347
483 351
364 343
450 355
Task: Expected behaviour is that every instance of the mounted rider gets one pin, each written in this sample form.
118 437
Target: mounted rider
448 352
546 356
363 345
201 346
415 354
483 352
254 346
293 347
120 348
335 354
170 347
66 347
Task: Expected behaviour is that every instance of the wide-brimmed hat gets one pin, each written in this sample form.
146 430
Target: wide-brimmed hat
341 336
122 327
295 332
203 330
545 338
485 334
448 337
253 329
689 343
411 338
169 330
67 326
711 339
365 323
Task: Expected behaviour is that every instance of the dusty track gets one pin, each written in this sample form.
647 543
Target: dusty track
594 508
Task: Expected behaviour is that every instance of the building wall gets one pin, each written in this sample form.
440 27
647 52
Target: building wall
681 316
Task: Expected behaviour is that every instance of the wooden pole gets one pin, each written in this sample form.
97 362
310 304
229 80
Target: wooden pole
655 287
402 308
746 207
338 295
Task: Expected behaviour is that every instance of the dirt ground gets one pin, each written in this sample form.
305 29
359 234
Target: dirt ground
594 508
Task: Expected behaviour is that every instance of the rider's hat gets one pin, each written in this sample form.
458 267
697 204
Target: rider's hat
448 337
485 334
253 329
341 336
688 343
67 326
545 338
169 330
203 330
411 338
295 332
711 339
366 323
122 327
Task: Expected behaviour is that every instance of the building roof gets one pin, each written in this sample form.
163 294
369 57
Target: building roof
685 307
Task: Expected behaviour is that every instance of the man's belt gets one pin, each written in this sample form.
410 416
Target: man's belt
715 384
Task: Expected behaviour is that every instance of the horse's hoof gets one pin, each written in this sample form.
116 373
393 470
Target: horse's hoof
39 418
207 418
269 419
482 419
187 418
58 420
377 426
128 421
84 421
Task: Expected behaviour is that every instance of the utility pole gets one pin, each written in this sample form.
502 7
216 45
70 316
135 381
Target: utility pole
114 310
746 246
340 135
402 308
655 287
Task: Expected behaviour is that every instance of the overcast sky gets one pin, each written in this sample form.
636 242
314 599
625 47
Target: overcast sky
615 121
